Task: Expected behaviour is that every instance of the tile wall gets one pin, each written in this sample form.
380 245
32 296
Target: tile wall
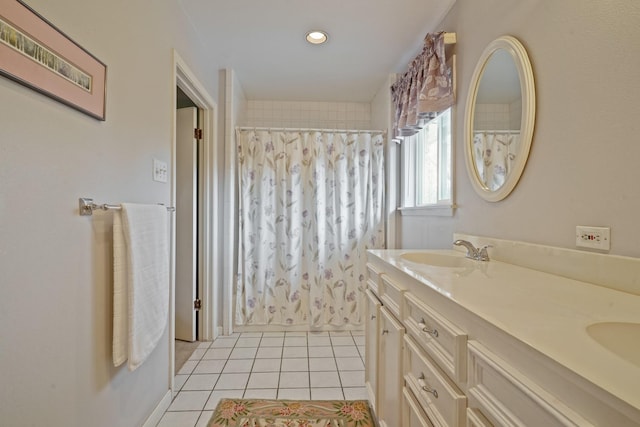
314 115
498 116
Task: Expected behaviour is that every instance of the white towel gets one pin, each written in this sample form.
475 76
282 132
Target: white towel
141 281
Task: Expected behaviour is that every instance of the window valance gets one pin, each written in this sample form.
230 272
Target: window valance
426 88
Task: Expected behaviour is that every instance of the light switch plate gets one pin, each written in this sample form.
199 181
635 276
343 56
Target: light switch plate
159 170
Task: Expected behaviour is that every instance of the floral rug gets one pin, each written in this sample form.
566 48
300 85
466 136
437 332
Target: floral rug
291 413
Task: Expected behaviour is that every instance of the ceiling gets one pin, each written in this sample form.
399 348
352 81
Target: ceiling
263 41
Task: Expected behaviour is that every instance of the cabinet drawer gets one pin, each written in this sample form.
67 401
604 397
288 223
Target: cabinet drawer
443 402
441 339
476 419
391 295
373 279
412 413
508 398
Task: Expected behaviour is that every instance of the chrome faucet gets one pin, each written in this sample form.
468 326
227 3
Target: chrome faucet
478 254
472 252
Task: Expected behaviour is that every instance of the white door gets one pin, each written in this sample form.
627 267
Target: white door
186 222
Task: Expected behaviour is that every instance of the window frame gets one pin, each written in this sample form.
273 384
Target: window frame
408 182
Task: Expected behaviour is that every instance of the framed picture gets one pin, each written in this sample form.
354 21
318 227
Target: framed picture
36 54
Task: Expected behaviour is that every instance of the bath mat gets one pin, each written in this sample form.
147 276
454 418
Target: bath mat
291 413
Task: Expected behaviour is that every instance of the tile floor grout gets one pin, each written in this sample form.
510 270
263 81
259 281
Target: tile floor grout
194 407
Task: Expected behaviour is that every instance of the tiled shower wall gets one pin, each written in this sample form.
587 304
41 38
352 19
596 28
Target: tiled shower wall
314 115
498 116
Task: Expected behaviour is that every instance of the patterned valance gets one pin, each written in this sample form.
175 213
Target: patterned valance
425 89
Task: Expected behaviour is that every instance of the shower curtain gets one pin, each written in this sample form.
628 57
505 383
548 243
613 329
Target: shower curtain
495 152
311 204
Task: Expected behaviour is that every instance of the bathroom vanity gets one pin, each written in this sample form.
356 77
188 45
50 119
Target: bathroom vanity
453 342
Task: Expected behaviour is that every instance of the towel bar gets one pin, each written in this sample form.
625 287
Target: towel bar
86 206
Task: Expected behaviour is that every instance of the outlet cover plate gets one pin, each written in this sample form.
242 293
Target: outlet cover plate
593 237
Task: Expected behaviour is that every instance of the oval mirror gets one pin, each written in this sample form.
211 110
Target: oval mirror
499 118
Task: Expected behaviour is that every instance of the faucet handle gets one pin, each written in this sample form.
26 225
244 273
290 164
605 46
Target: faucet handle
483 255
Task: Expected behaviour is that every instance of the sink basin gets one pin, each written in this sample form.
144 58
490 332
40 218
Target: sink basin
620 338
437 260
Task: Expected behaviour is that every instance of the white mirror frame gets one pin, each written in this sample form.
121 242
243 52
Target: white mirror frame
527 89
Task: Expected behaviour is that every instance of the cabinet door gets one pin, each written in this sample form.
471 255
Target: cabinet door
390 369
371 349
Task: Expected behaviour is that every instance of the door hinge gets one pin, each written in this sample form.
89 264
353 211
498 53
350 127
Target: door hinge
197 133
197 304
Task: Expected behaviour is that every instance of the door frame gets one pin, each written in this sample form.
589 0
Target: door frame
208 261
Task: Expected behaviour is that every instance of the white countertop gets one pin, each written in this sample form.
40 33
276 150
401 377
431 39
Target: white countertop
547 312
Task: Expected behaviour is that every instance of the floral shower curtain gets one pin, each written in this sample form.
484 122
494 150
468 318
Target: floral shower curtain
311 204
495 153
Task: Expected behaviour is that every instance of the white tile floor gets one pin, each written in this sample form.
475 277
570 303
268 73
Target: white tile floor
271 365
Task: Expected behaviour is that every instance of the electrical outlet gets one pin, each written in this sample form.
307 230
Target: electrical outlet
159 170
593 237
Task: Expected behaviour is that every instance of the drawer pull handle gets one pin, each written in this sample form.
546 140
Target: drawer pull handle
386 331
373 316
425 387
431 390
433 332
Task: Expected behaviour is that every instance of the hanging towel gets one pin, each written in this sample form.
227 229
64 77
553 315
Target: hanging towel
141 281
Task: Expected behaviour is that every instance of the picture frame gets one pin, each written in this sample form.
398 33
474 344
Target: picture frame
34 53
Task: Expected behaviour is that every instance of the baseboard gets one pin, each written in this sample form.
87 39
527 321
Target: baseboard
159 411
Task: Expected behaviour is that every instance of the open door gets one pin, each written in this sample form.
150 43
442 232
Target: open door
186 223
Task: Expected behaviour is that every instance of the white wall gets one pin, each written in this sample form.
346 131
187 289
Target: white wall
55 266
382 118
583 166
236 106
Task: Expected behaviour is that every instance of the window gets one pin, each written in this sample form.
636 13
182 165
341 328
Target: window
427 187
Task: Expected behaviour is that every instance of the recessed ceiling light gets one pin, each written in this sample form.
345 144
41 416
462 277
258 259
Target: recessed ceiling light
316 37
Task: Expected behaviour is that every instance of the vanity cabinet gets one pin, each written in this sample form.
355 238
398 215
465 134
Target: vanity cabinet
371 348
433 363
390 373
499 395
383 348
441 399
476 419
442 340
412 413
405 385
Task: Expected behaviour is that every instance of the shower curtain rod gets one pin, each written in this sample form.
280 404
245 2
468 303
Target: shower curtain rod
384 132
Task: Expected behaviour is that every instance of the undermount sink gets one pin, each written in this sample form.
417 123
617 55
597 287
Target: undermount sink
620 338
437 260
